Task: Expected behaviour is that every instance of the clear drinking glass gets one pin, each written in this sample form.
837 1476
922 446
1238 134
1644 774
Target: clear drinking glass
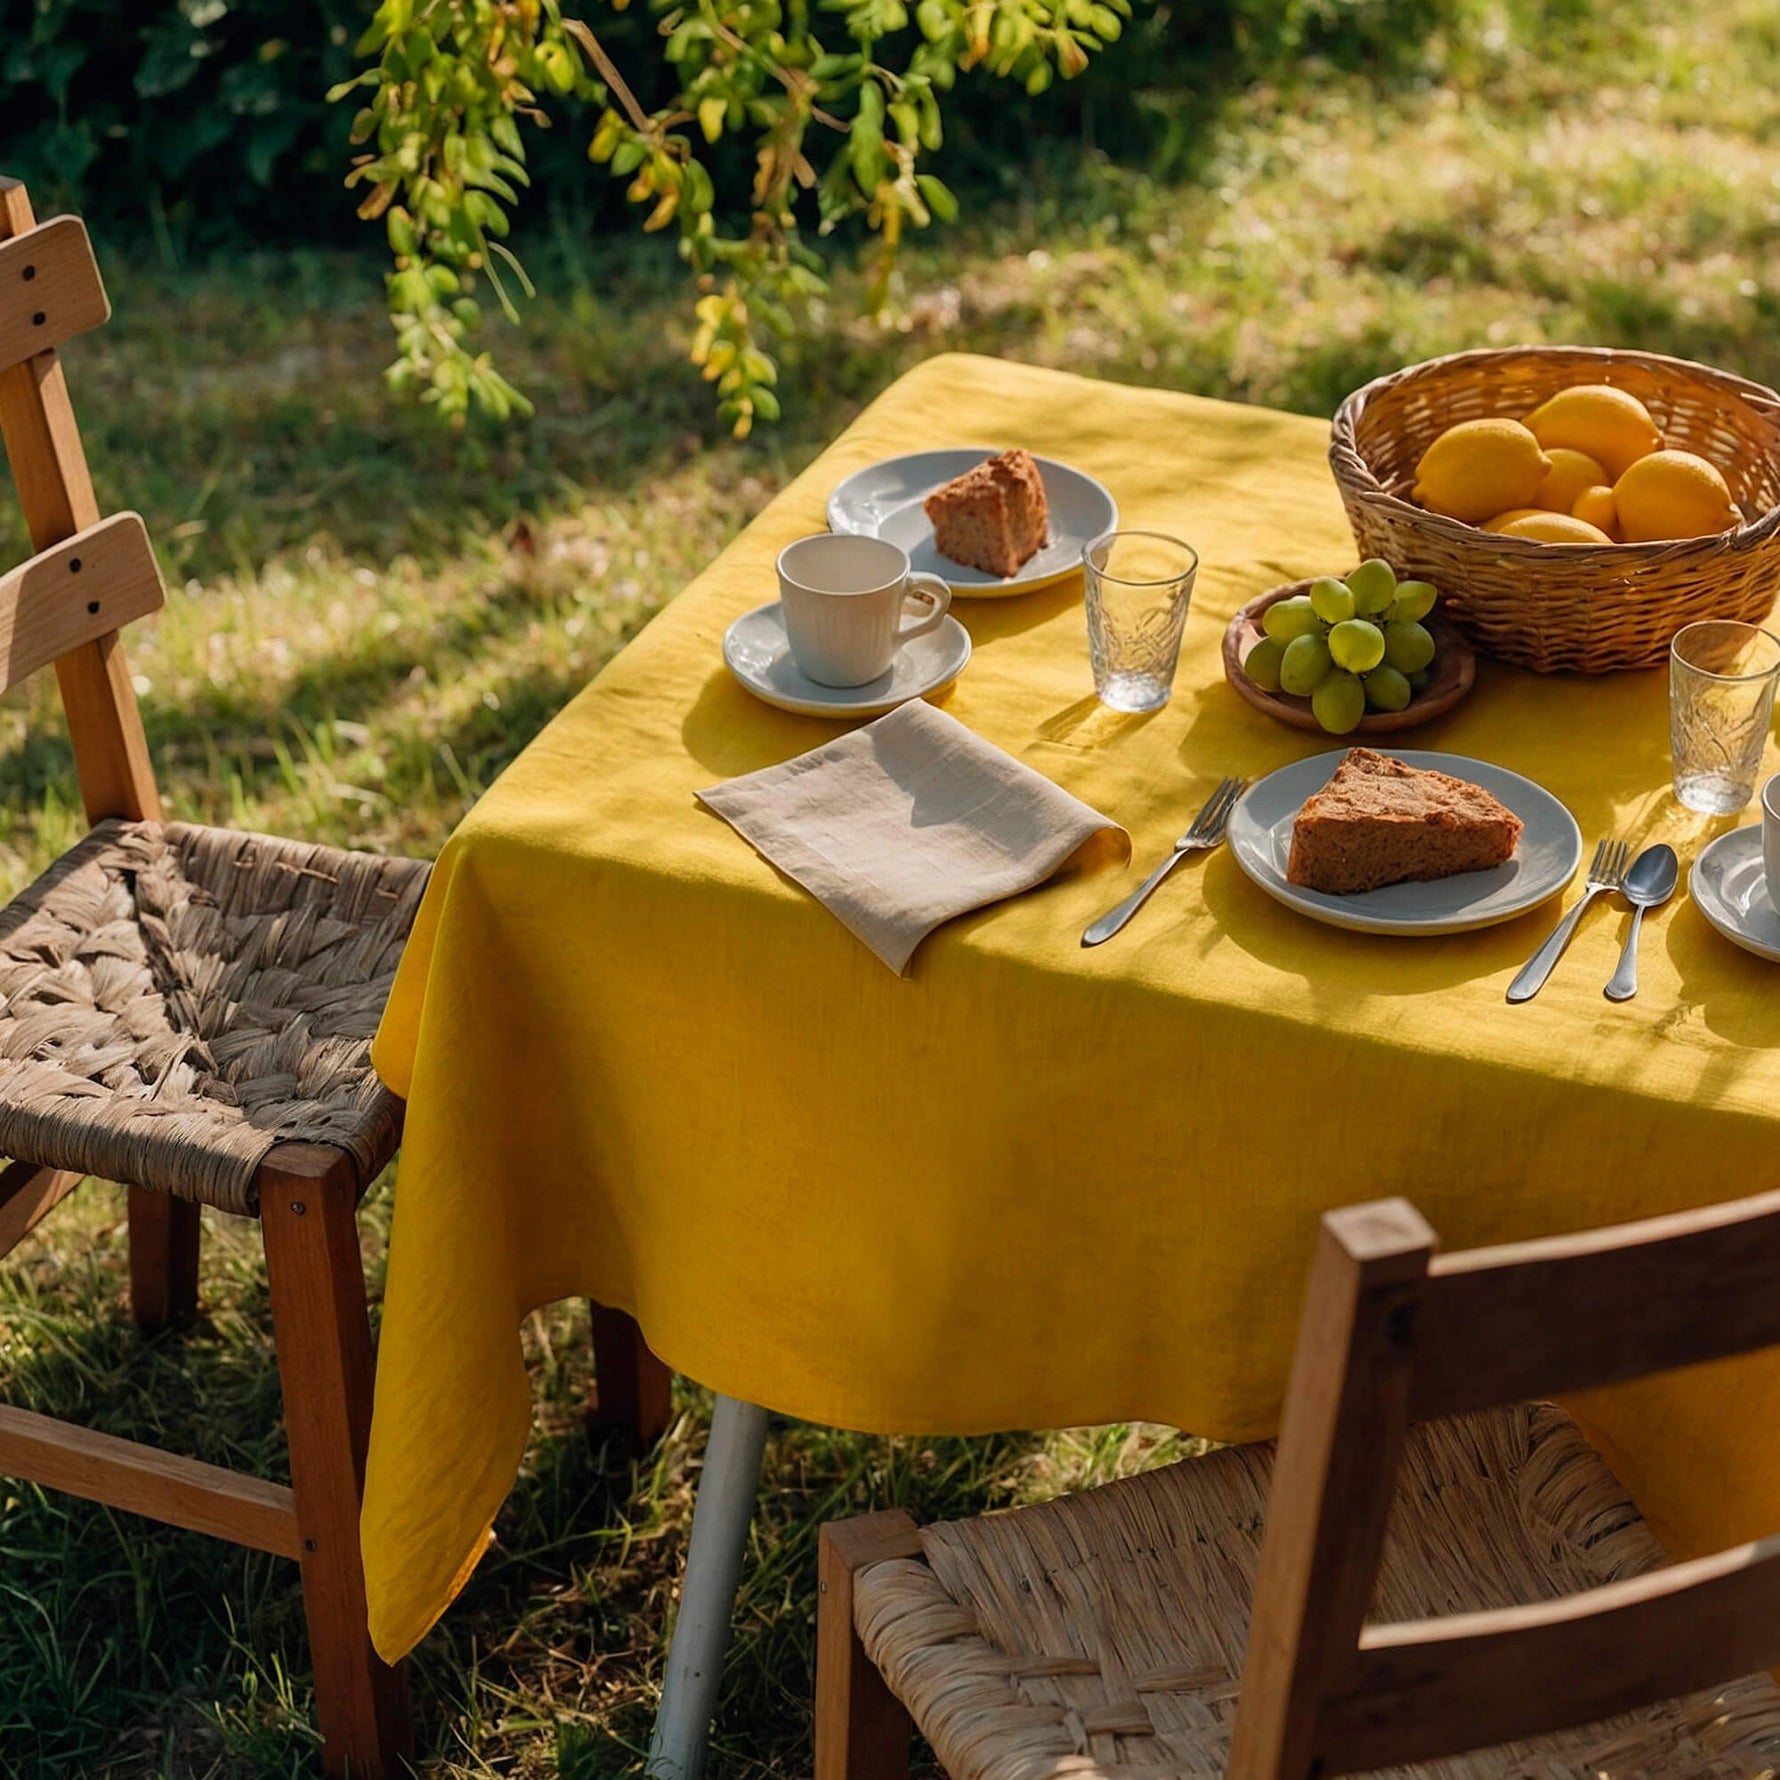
1139 584
1721 697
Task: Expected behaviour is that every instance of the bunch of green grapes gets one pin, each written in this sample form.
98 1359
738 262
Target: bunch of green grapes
1348 645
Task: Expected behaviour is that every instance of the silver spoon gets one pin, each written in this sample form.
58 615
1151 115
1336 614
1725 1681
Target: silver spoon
1649 883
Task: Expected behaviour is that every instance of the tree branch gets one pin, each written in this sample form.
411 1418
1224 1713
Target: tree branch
584 36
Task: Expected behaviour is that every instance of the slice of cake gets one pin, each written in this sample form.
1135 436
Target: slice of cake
1380 822
993 517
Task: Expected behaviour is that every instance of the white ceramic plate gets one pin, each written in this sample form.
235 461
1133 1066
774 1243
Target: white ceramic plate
1544 862
884 501
759 655
1729 887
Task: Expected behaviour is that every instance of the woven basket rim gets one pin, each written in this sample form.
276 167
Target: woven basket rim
1360 475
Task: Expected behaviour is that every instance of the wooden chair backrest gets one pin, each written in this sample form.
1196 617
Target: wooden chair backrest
90 576
1393 1333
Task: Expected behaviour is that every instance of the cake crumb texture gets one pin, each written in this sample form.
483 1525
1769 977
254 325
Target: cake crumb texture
994 517
1379 821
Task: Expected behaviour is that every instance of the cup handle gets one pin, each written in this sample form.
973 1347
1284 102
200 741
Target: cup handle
932 590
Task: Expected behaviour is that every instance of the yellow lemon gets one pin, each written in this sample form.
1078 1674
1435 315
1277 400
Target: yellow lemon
1596 505
1570 473
1502 521
1612 427
1673 494
1552 528
1480 467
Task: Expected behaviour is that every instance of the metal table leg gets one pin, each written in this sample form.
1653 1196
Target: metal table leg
720 1521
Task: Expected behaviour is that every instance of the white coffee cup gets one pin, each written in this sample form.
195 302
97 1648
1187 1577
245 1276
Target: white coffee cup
1770 837
845 601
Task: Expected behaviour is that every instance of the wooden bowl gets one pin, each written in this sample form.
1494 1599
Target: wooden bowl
1455 672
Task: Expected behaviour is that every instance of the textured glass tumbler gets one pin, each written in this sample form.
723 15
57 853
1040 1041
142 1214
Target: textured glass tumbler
1138 586
1721 698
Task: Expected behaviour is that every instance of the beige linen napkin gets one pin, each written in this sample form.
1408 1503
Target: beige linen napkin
907 822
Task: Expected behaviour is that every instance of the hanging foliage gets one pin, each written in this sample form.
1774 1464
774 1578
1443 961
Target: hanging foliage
839 102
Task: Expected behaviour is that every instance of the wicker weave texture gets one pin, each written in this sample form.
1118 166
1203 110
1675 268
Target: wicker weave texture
1592 608
1103 1634
179 999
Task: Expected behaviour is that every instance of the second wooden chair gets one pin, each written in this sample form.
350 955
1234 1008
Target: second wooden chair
1447 1566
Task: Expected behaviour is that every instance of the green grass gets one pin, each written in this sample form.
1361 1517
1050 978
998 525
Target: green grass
370 616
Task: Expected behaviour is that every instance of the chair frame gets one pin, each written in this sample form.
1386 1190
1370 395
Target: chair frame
1393 1334
308 1194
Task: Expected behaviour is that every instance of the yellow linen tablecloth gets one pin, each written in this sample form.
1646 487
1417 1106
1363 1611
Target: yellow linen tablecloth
1029 1185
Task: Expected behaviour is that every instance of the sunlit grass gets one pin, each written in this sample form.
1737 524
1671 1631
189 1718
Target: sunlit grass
369 616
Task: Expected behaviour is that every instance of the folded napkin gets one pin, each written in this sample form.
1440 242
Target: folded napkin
907 822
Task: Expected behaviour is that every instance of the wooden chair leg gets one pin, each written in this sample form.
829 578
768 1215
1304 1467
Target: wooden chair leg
633 1389
163 1259
28 1195
308 1210
862 1728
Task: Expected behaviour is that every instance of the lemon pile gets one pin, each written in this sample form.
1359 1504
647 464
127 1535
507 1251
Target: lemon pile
1586 467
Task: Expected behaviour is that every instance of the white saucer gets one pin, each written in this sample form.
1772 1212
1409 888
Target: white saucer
758 654
1545 860
1729 887
884 501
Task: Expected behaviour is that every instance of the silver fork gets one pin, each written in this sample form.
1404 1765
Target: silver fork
1605 873
1207 830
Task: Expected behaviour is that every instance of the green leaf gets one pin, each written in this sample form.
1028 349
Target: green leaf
175 52
932 130
560 72
492 182
486 213
390 20
867 139
697 193
410 291
939 198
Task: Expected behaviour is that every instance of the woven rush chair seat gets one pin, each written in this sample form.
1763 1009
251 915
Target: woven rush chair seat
175 1000
1104 1633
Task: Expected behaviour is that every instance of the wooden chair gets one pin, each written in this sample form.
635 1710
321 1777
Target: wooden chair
189 1010
1448 1576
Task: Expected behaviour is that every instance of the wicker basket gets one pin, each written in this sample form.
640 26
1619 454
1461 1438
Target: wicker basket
1588 608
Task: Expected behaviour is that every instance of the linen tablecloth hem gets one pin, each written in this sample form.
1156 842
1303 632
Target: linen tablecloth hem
395 1636
396 1632
398 1626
